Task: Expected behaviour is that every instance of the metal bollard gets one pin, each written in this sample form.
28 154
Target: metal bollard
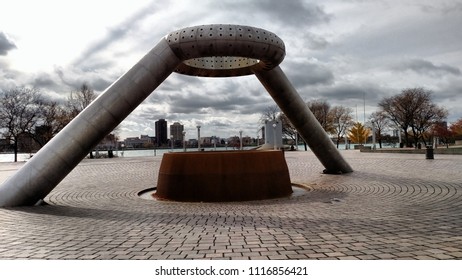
429 153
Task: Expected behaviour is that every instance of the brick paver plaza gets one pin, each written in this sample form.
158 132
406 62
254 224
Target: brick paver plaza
394 206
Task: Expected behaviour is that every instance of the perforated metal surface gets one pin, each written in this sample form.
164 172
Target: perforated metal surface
219 50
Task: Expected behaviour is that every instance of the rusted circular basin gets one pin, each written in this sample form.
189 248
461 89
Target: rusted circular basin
223 176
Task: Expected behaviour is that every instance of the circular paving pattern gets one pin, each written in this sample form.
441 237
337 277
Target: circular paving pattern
391 207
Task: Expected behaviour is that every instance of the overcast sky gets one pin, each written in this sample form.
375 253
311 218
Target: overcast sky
337 50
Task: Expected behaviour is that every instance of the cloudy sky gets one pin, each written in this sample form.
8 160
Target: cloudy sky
342 51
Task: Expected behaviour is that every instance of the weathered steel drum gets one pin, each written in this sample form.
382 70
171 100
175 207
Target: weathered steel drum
223 176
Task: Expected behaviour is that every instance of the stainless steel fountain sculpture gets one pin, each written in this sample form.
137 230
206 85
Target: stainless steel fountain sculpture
208 51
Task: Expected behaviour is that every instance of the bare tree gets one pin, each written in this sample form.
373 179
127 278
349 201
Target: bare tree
444 133
426 119
321 111
288 128
79 100
54 117
400 110
21 109
456 129
342 119
414 112
271 113
381 122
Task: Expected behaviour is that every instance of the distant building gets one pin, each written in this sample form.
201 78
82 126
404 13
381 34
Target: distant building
150 140
143 142
247 141
234 142
206 141
161 132
273 133
192 142
176 130
108 143
133 143
210 141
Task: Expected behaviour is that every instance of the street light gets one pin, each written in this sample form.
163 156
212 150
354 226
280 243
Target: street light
184 141
274 136
240 140
373 134
171 142
296 140
198 137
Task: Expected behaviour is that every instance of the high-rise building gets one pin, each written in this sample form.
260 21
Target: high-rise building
176 130
161 132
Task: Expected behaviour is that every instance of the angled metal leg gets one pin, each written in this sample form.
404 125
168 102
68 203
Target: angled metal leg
57 159
292 105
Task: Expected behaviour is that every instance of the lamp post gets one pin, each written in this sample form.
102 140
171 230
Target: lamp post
296 140
184 141
373 134
258 136
171 142
198 137
240 140
346 142
275 147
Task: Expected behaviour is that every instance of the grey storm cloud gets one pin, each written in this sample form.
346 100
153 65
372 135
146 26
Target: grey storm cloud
194 95
5 44
422 66
294 12
342 93
8 76
73 78
117 32
416 35
444 8
308 74
44 80
316 42
194 102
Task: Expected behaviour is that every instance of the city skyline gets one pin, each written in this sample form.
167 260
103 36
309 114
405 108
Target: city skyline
194 134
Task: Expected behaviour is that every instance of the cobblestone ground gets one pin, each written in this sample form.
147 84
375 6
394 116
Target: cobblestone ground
394 206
